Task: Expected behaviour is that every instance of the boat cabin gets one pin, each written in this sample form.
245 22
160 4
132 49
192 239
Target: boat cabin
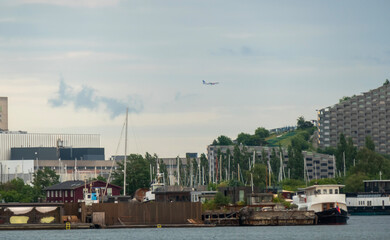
320 198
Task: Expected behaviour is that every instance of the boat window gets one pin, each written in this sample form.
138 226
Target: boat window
330 191
336 191
324 191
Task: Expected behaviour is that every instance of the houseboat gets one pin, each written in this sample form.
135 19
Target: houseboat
326 201
375 200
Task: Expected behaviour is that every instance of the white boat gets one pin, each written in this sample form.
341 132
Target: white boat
368 204
159 182
326 201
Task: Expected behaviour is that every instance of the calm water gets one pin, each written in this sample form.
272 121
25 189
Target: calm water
358 227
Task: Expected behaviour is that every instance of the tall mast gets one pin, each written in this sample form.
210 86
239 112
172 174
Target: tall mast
125 160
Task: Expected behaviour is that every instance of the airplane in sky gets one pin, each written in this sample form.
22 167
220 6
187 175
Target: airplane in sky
210 83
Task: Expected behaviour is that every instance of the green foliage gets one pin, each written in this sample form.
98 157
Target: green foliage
280 199
209 205
295 161
221 200
283 140
259 172
137 173
345 149
222 141
354 182
369 143
386 82
292 184
17 191
302 124
204 164
43 179
235 183
343 99
262 132
371 163
100 178
323 181
275 164
258 139
327 150
212 187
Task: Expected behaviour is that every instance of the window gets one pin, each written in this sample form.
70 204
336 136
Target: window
336 191
60 193
71 193
56 193
66 193
330 191
324 191
47 194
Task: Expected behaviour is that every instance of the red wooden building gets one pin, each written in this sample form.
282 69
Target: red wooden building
73 191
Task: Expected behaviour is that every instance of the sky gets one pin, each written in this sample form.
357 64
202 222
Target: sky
74 66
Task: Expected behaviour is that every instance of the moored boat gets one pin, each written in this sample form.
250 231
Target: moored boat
368 204
326 201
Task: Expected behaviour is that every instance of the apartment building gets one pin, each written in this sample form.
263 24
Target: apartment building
363 115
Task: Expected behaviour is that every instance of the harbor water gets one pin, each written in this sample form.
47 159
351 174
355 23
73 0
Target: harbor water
358 227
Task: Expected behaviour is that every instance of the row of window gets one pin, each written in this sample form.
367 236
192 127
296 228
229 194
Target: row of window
325 191
363 203
58 193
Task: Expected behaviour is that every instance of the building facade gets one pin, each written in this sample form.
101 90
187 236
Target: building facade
363 115
21 139
73 191
3 114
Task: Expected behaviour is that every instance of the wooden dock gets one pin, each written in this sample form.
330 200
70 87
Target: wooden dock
50 226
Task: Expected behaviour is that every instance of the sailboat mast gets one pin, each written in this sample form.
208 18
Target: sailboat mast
125 160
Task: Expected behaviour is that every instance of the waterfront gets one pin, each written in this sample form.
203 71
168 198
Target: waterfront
358 227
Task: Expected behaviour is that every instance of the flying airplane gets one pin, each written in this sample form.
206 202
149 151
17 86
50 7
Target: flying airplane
210 83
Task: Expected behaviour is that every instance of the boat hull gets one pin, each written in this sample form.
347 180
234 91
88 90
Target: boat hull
375 210
332 216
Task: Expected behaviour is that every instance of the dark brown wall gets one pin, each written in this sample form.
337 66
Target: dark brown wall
136 213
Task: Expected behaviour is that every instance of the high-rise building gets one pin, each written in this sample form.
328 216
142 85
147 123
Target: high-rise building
3 114
359 116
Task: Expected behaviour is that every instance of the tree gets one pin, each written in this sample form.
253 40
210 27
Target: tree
222 141
243 138
262 132
43 179
295 161
386 82
275 164
221 200
369 143
354 182
258 172
137 173
17 191
371 163
302 124
204 164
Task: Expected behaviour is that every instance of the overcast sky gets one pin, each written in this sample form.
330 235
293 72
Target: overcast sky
73 66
